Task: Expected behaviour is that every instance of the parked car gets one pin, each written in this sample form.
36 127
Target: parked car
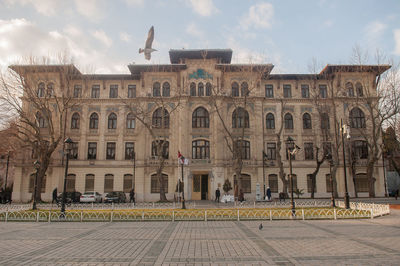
115 196
70 197
91 197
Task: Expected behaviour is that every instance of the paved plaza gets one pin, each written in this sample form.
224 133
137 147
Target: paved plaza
327 242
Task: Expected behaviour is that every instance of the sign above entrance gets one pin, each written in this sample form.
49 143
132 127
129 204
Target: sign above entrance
200 74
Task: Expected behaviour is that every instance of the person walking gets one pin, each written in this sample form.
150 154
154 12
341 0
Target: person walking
132 196
54 196
217 194
268 193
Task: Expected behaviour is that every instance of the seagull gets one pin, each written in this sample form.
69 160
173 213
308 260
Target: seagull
147 48
260 227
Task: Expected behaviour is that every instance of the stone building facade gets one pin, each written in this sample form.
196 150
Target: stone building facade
105 134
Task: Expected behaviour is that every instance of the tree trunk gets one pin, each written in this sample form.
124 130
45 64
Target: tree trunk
371 179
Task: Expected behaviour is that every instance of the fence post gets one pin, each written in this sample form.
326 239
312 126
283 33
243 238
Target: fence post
205 215
92 205
372 213
49 216
37 216
270 215
111 216
173 215
81 216
153 204
334 213
302 213
238 215
143 215
112 205
6 215
254 204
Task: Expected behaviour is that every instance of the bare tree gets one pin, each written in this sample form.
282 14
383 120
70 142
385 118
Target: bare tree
38 95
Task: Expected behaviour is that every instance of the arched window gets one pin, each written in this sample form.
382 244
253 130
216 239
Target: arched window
240 118
128 182
270 121
359 89
244 89
163 148
75 121
200 89
200 118
89 182
208 89
155 183
70 181
94 121
357 118
350 89
246 183
244 148
41 90
165 89
50 89
325 121
108 183
288 121
192 89
235 89
200 149
41 121
156 89
112 121
160 118
307 121
130 121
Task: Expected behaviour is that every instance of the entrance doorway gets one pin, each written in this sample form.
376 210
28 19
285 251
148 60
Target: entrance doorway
200 187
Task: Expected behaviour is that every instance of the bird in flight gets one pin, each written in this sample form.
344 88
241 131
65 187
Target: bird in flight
147 48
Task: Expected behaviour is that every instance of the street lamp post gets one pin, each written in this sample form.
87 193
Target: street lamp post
37 166
291 151
345 131
183 190
331 180
8 161
68 142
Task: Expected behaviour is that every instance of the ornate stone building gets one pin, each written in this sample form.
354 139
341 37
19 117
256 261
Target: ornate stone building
106 133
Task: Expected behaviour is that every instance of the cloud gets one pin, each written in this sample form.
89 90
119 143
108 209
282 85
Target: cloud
92 9
259 16
44 7
204 8
15 34
328 23
102 37
396 35
193 30
125 37
135 2
374 30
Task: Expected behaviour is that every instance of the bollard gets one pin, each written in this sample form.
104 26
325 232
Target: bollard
173 215
37 216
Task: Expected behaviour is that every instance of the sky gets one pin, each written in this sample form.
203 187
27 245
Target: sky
104 36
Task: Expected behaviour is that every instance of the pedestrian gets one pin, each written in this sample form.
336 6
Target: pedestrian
268 193
217 194
132 196
54 196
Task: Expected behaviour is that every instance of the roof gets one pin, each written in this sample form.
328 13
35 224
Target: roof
255 68
137 69
294 76
225 55
21 69
377 69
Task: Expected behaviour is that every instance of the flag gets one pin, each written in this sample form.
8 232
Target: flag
181 159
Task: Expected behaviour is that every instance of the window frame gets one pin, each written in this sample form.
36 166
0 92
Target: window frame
92 151
269 91
113 91
95 93
111 150
200 118
131 91
201 149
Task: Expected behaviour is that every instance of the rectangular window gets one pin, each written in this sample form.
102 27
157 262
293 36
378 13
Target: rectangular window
323 92
309 184
246 183
110 151
131 91
269 91
329 183
95 91
129 150
114 91
308 151
287 91
108 183
70 182
327 148
74 150
271 150
305 91
360 149
273 183
361 183
128 183
77 91
92 150
32 184
89 183
164 149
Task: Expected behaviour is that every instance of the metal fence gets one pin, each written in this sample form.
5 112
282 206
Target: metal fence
375 210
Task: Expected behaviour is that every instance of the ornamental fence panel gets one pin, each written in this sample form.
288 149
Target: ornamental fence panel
375 210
